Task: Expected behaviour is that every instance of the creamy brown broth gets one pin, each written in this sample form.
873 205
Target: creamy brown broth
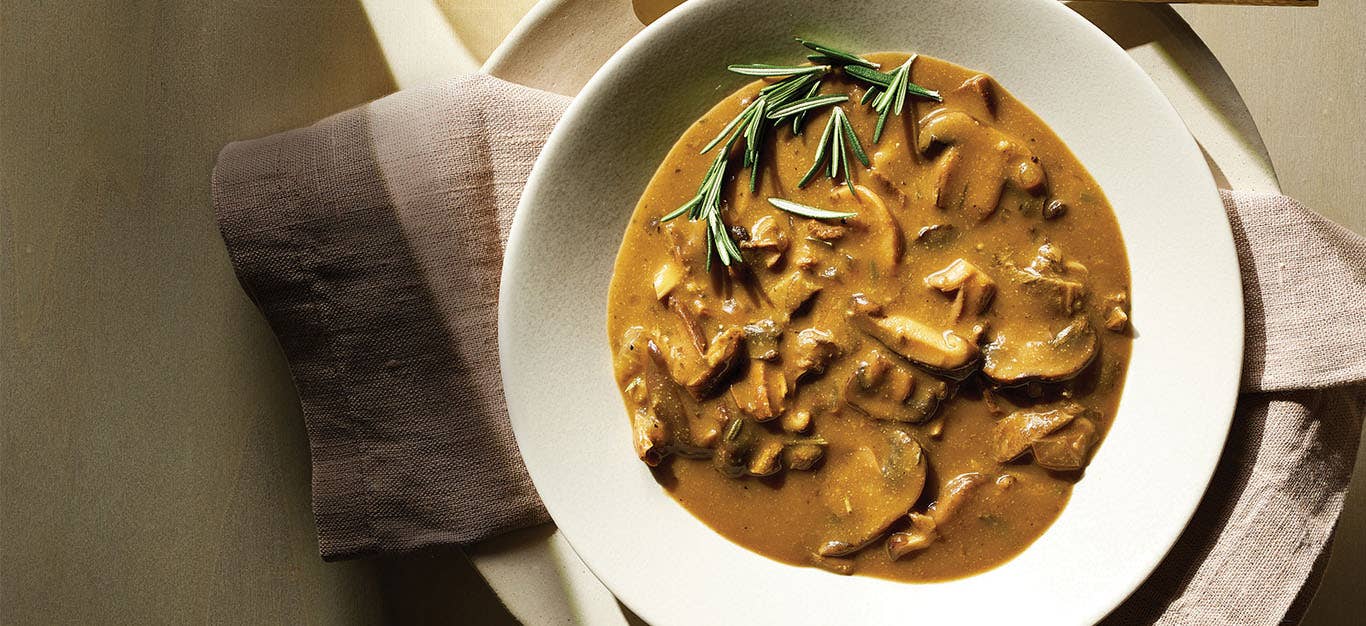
1029 377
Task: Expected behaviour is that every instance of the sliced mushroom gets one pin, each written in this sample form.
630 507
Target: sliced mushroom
1068 448
1011 360
815 349
992 153
972 287
667 278
889 243
699 372
791 292
869 489
943 351
1015 433
766 459
885 390
767 237
923 532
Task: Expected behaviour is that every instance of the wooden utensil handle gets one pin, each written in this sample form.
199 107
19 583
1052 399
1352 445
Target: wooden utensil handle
1269 3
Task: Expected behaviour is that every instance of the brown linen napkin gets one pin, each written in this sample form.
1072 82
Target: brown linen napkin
372 243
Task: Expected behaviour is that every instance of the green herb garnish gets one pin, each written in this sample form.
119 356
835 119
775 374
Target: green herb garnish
764 69
888 92
837 56
805 104
838 133
809 211
706 205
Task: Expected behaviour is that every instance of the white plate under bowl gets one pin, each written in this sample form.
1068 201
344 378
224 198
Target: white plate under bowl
1146 479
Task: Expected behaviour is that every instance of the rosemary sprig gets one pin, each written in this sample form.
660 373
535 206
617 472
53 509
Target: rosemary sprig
809 211
838 133
764 69
800 118
888 92
805 104
835 55
706 206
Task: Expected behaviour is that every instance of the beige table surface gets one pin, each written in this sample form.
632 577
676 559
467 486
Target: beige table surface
153 466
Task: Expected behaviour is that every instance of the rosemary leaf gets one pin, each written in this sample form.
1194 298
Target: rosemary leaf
842 57
870 76
764 69
853 138
800 118
805 104
819 159
808 211
739 119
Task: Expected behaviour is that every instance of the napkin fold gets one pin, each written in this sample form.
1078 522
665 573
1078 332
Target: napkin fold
372 243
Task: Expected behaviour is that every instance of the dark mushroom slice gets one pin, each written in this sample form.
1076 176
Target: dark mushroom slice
973 289
1012 361
884 389
923 532
1068 448
943 351
981 90
1015 433
699 372
868 490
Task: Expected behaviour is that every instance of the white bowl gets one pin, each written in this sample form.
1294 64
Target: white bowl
1145 480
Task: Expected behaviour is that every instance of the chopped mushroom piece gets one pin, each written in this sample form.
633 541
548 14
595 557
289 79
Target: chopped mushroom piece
1068 448
885 390
869 490
972 287
815 349
659 423
943 351
734 448
699 372
1063 280
1116 319
766 459
954 493
667 278
761 339
936 235
923 532
1013 361
803 455
1054 209
761 393
826 232
798 421
982 89
1013 163
767 236
1016 432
